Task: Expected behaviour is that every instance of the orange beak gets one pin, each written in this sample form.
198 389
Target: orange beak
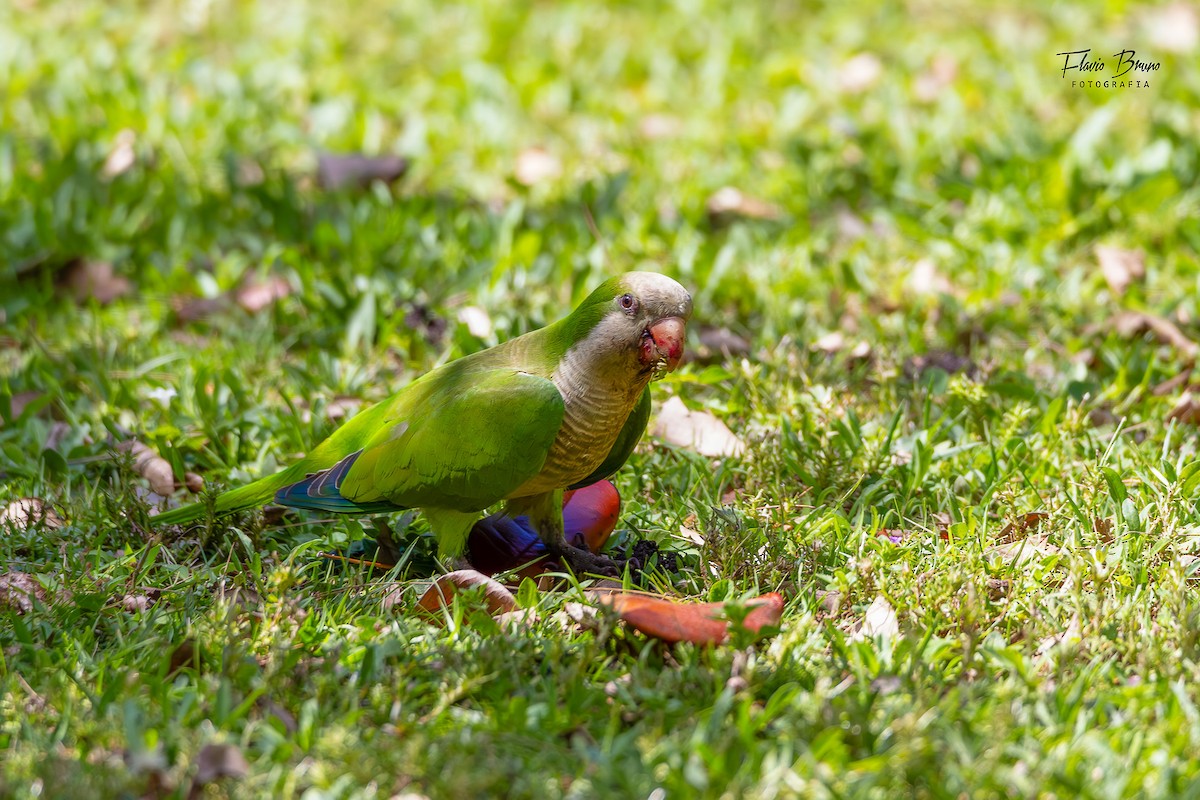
667 336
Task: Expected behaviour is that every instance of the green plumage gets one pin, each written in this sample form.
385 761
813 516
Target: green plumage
465 436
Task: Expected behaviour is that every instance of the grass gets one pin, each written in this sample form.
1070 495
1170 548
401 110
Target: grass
1004 429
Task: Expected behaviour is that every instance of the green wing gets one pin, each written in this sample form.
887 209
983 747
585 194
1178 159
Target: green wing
631 434
463 442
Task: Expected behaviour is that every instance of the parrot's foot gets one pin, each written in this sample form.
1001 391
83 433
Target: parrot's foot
582 561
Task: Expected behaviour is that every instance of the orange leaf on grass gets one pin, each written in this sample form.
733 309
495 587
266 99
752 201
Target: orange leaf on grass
439 595
699 623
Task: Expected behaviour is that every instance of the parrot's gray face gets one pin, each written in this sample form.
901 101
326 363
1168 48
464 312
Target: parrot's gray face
650 319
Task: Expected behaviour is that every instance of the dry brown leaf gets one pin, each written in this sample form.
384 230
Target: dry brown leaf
1187 409
700 623
1133 323
925 279
1175 27
696 430
217 761
255 294
26 512
729 203
122 155
133 603
1026 523
940 75
830 600
151 466
720 343
193 482
831 342
536 165
478 321
498 599
355 171
1120 267
342 405
659 126
84 280
1071 635
521 619
880 620
1023 550
19 590
20 401
860 73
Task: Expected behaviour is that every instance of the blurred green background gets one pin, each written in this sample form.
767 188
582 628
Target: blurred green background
893 218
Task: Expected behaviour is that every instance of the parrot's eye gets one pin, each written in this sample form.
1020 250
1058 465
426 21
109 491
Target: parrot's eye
627 302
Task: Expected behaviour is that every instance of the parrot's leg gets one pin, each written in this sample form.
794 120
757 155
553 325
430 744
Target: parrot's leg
451 529
545 515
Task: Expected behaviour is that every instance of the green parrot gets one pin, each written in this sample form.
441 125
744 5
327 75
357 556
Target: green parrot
518 423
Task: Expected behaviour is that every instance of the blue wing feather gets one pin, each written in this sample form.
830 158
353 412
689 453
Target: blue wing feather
320 492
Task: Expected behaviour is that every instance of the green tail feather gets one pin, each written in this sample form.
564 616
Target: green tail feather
252 495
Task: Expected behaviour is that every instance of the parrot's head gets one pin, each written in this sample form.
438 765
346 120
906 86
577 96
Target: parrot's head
638 321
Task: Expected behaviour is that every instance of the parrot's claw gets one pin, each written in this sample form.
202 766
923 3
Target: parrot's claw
581 561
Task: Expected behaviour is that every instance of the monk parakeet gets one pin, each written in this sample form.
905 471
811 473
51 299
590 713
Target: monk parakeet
518 423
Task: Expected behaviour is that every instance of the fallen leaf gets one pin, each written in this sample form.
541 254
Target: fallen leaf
700 623
85 280
521 619
691 535
217 761
720 344
1023 550
951 363
256 294
850 226
1120 267
122 155
185 655
478 322
577 616
830 343
1071 635
925 279
191 309
1026 523
1175 27
1187 408
860 73
22 400
133 603
659 126
728 203
880 620
193 482
19 590
933 81
356 171
151 466
696 430
1134 323
536 165
342 405
861 351
830 600
27 512
439 595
